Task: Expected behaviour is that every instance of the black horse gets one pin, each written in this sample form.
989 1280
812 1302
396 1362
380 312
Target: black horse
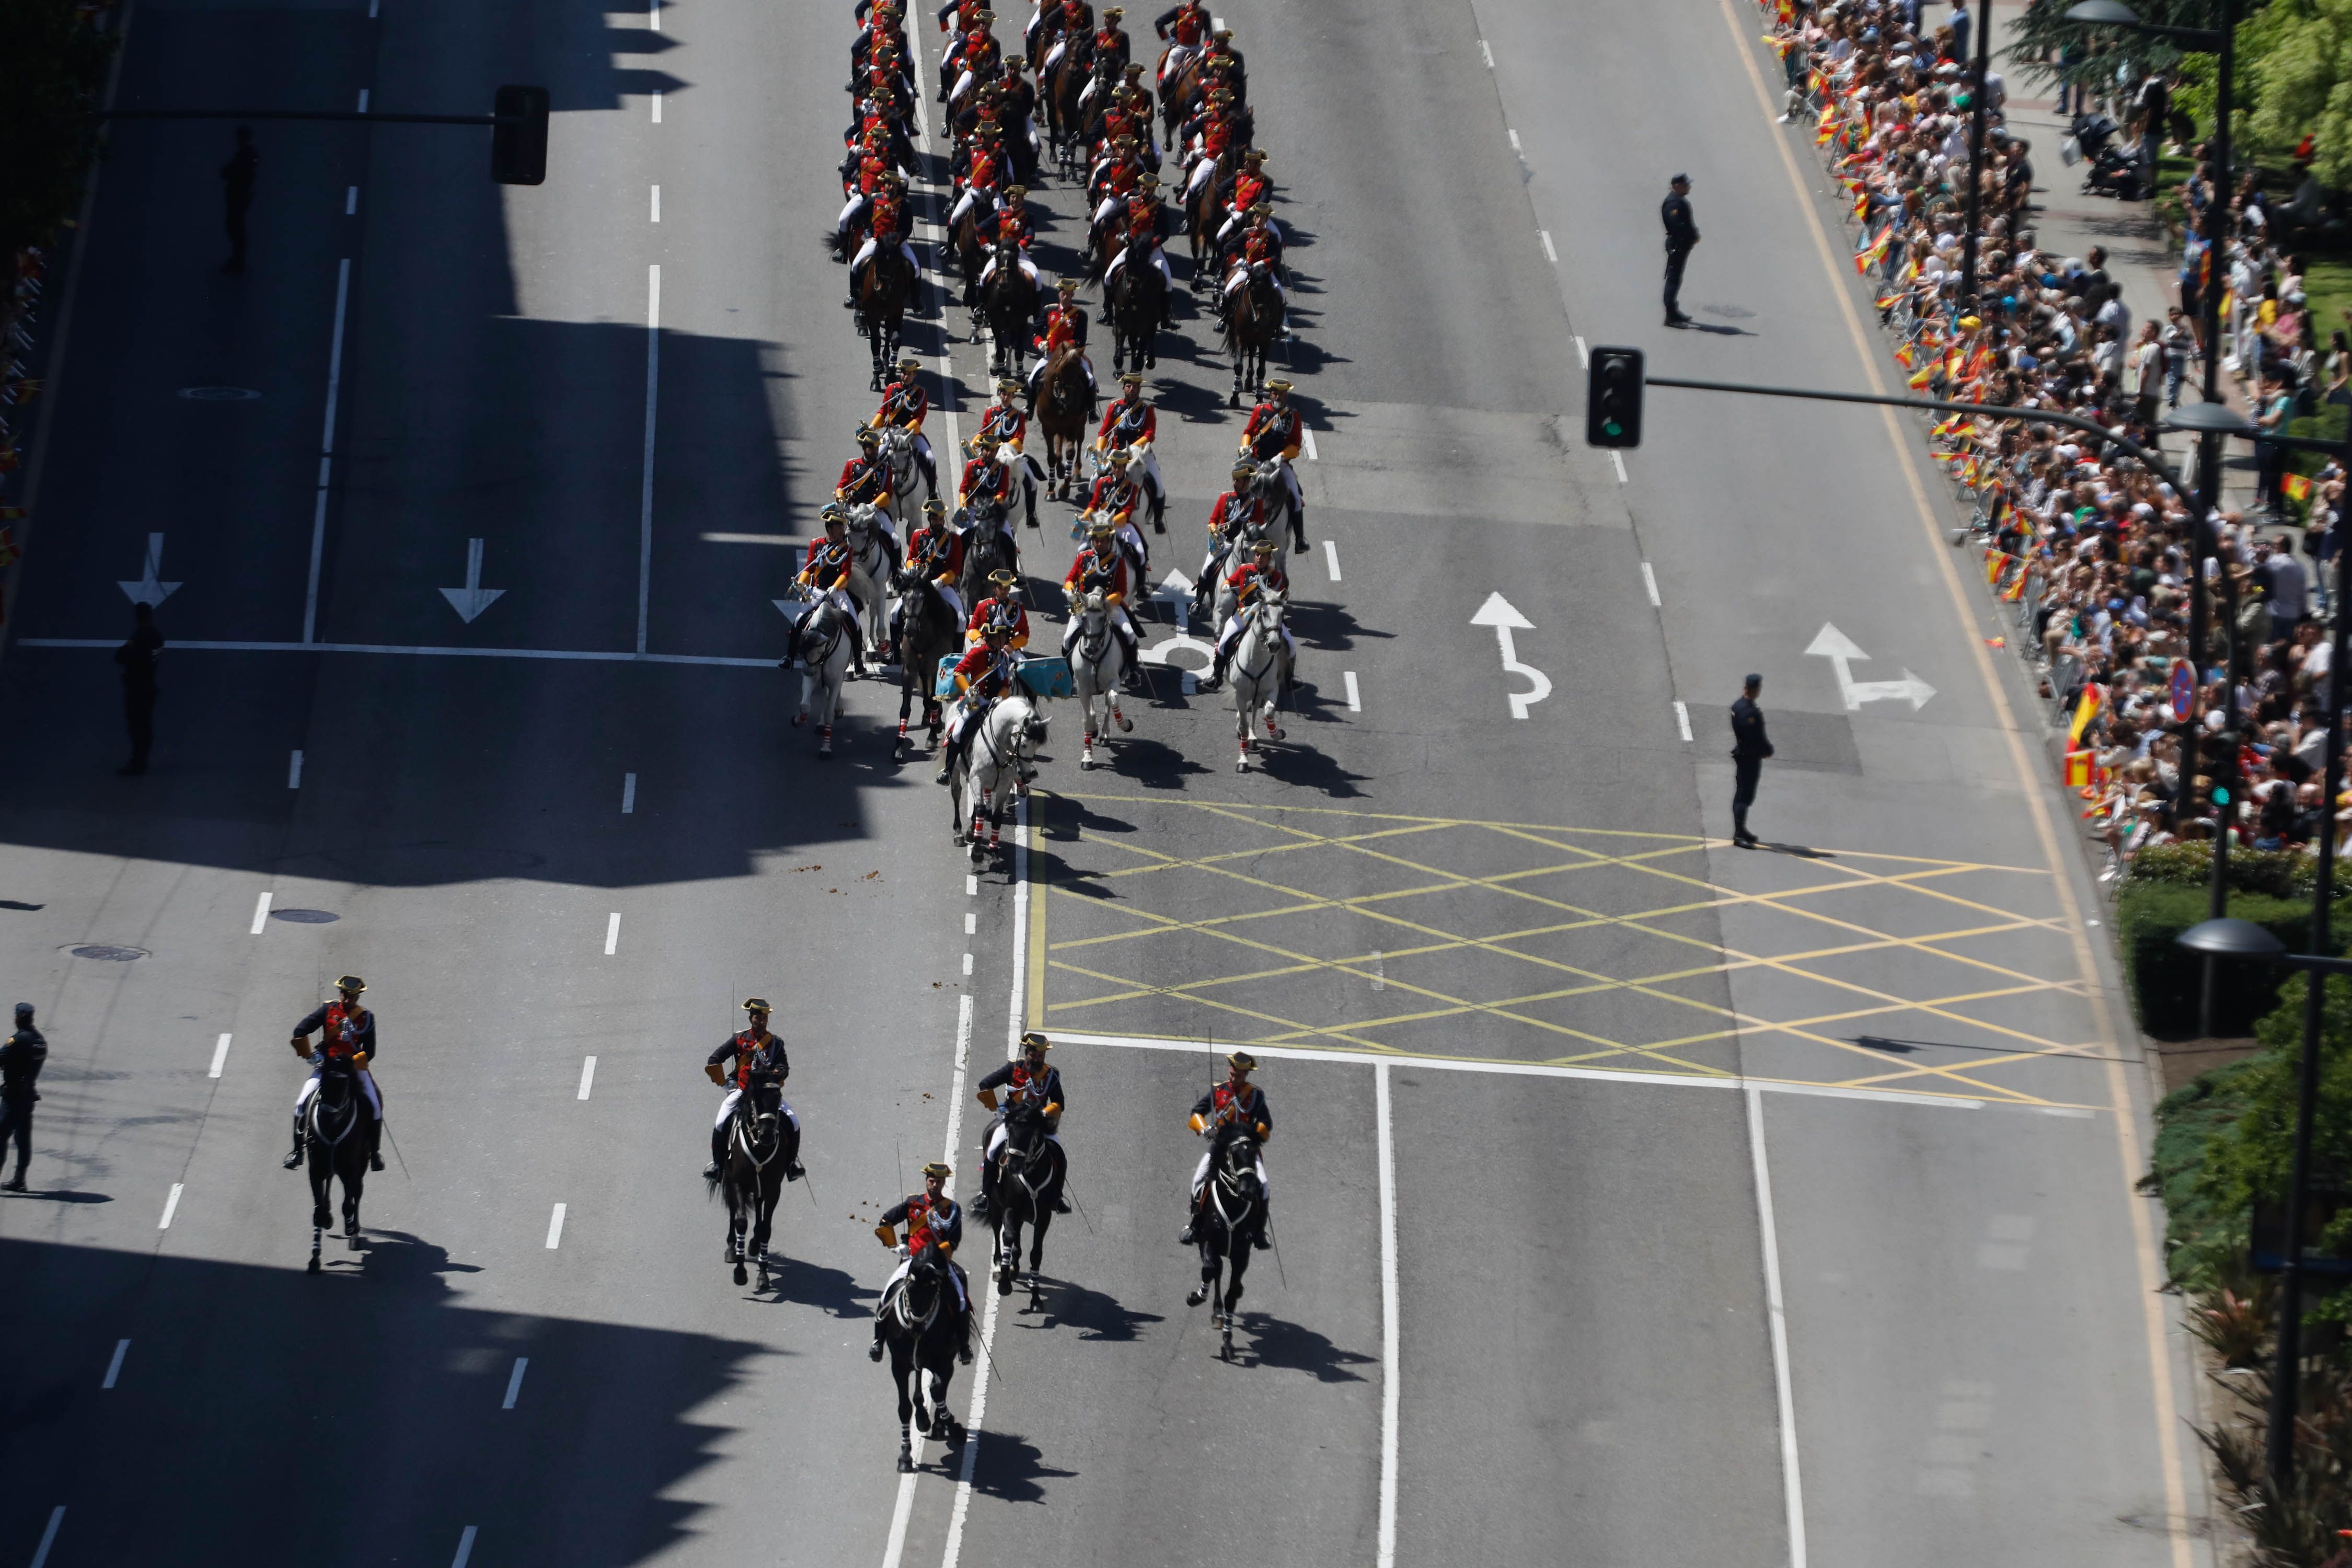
986 551
1232 1216
759 1147
922 1330
1137 303
1009 304
335 1134
927 629
1030 1171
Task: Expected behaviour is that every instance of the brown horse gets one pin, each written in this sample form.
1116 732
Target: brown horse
1176 98
1204 214
883 295
1065 122
1251 326
1064 408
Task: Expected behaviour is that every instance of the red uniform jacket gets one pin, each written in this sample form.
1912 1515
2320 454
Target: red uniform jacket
1092 570
1125 424
1115 496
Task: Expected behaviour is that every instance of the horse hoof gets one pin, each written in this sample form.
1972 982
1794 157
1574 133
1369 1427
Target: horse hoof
1004 1282
824 752
906 1462
314 1264
1241 764
1126 725
1194 1298
351 1243
1087 762
740 1274
1272 733
799 719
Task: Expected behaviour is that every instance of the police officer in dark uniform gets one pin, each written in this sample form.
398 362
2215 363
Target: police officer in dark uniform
1681 234
20 1064
1032 1089
1748 749
751 1057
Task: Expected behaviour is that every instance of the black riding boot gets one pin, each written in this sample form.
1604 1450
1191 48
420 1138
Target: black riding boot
375 1141
1264 1236
793 1170
1298 531
717 1153
873 1351
294 1159
1216 676
1131 678
1192 1225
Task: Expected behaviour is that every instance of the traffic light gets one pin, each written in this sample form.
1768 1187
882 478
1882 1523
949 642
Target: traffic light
518 139
1613 398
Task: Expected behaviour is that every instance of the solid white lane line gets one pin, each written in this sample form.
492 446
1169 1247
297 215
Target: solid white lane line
294 770
220 1056
1487 53
613 934
1514 142
351 200
514 1384
656 204
1583 354
1015 1006
114 1367
464 1548
971 922
628 793
587 1076
171 1206
1545 1070
1306 441
1682 720
555 1228
1332 558
785 541
1549 254
1650 581
326 443
653 401
363 98
967 963
1617 461
1389 1384
1355 696
48 1536
1791 1486
657 106
260 914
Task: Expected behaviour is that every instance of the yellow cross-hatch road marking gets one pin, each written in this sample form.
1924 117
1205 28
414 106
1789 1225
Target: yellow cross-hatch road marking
1274 938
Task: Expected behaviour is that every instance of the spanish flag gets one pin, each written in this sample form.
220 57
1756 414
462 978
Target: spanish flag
1923 375
2078 770
1907 356
2296 486
2016 589
2088 710
1874 252
1828 132
1994 561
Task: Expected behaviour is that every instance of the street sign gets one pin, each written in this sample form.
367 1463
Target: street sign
2184 691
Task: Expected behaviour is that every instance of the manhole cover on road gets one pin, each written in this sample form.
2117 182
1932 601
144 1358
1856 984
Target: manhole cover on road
109 954
219 395
304 917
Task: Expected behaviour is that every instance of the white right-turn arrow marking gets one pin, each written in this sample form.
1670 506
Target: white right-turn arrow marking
1497 611
1840 650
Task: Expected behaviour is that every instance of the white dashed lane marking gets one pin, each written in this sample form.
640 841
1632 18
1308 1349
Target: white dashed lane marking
587 1076
555 1228
220 1056
1355 696
1682 720
171 1206
628 793
114 1367
613 934
514 1384
1650 581
260 914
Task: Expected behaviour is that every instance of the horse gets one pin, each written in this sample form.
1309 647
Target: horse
1034 1169
920 1330
1260 669
871 560
987 550
1213 596
896 451
1064 121
1251 326
1063 407
1204 215
823 654
1231 1217
927 629
1134 303
883 295
1010 305
335 1135
754 1175
1097 664
970 258
1177 98
987 777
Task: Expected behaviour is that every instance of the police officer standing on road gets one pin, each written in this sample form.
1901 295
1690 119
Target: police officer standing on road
137 658
236 194
1748 749
1681 234
20 1065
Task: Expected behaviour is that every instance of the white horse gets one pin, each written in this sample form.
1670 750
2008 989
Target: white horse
869 569
987 777
898 451
823 654
1098 664
1212 600
1260 667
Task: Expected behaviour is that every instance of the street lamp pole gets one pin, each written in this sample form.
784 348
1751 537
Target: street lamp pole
1978 109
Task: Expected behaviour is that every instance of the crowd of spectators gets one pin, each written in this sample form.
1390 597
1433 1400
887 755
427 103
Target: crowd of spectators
2092 545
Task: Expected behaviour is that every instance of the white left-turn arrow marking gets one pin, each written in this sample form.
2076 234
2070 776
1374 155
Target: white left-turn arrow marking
1497 613
147 591
1840 650
473 598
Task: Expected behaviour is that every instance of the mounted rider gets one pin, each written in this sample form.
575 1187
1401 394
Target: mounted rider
1057 27
1117 175
1234 1105
1221 61
1187 25
1148 220
886 223
1207 137
986 672
932 1220
1251 187
866 477
751 1059
1113 498
1005 424
829 569
1276 426
1110 41
985 179
1011 222
1238 512
1263 570
1101 565
1002 609
985 490
346 1034
1132 424
905 405
1033 1092
1065 327
1259 244
977 53
935 553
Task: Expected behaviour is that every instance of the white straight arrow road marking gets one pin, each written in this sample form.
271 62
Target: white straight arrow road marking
1497 613
1840 650
473 598
147 591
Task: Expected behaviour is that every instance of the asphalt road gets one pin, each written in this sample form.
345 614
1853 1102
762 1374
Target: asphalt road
1525 1014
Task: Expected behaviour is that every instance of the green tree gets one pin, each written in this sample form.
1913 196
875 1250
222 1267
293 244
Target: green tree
2297 56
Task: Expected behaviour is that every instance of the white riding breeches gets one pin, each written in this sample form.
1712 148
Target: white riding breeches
1028 270
1158 259
1053 56
849 211
866 254
1201 1175
1084 364
1239 220
1108 210
954 599
906 1267
1178 56
1202 171
971 194
727 1108
996 1141
1240 275
1130 537
367 1087
1232 635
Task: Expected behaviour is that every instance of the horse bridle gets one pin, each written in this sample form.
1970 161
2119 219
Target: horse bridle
319 1105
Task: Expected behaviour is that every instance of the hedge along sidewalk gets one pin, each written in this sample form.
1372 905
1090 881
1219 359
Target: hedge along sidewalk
2166 893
